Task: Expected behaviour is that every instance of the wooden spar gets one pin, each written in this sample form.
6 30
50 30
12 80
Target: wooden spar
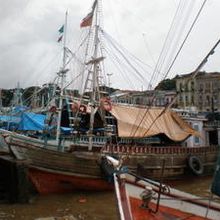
204 61
95 83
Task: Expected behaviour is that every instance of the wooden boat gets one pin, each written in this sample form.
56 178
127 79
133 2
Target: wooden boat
180 161
75 164
78 168
53 171
140 199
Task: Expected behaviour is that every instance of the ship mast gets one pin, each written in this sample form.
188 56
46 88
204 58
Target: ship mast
95 75
62 75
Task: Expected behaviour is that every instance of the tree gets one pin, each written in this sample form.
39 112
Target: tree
6 97
167 84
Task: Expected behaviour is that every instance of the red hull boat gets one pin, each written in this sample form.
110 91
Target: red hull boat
53 171
47 182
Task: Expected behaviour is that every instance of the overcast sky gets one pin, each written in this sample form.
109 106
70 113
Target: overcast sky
30 54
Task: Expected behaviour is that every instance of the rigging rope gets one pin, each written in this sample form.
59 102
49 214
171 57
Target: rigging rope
135 128
165 45
190 30
168 106
119 50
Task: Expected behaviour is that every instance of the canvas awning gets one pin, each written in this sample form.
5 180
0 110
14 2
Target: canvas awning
140 122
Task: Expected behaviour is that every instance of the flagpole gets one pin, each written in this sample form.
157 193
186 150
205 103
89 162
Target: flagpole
62 75
64 41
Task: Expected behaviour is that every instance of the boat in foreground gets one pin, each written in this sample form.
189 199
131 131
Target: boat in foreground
140 199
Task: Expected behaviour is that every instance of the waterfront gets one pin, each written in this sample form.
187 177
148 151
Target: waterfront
86 205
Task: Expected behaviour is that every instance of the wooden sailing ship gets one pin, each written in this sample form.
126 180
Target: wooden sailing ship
98 127
53 171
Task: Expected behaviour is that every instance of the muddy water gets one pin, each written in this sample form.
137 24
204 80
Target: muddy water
86 205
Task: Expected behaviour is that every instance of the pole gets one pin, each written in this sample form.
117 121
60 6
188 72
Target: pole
160 189
62 74
94 79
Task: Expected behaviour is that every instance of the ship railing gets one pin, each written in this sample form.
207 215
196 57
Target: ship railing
130 149
95 139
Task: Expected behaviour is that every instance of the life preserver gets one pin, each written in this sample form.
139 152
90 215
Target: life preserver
75 107
82 109
106 104
195 164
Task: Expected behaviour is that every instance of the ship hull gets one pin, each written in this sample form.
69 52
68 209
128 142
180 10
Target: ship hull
80 169
148 161
47 182
53 171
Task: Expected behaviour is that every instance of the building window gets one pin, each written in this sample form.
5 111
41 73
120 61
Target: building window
186 98
207 87
215 86
200 99
180 88
192 86
186 87
192 100
208 100
200 87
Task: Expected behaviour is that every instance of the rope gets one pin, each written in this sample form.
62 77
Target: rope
167 107
190 30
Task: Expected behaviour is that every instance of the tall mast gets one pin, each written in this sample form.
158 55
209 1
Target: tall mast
95 61
62 75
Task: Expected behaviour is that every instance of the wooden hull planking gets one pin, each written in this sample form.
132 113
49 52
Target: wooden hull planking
47 182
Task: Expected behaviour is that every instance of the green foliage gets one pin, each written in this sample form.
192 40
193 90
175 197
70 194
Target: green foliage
6 97
167 84
28 94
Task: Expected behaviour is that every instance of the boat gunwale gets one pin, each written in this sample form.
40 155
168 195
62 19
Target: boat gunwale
196 200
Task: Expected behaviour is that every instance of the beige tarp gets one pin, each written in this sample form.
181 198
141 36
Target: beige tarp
140 122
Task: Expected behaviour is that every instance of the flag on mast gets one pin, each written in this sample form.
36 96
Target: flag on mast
61 30
60 38
87 21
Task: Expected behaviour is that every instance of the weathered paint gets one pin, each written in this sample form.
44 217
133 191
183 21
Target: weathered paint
48 182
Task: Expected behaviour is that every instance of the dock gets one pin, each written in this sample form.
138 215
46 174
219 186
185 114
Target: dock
15 186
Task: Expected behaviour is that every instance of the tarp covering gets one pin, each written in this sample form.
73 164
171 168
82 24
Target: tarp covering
143 122
32 122
19 109
9 118
35 122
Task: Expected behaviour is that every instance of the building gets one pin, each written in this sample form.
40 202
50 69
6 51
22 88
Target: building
197 122
146 98
201 91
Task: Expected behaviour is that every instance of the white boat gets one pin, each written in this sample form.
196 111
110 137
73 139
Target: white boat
144 199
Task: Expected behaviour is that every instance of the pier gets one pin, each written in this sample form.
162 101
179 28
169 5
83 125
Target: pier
14 184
